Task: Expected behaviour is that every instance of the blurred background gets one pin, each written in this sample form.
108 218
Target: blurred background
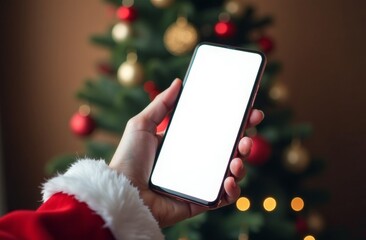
46 56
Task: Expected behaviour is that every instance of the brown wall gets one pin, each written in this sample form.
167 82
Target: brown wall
46 57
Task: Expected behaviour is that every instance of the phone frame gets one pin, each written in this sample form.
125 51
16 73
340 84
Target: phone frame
241 130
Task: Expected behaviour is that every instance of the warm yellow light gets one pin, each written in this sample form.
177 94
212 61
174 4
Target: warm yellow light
243 204
309 237
269 204
297 204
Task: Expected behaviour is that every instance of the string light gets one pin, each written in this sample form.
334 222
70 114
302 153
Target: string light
269 204
309 237
297 204
243 204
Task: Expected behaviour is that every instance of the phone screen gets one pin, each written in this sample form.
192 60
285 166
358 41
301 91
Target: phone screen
216 97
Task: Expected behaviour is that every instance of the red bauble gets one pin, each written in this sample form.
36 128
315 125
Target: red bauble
126 13
163 125
225 29
260 152
266 44
82 125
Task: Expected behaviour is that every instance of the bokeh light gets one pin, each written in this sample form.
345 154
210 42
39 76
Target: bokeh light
309 237
221 28
121 31
269 204
297 204
243 204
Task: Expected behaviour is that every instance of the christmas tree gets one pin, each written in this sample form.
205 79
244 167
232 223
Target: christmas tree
150 44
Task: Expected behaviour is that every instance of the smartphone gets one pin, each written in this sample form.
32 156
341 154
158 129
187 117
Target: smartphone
212 109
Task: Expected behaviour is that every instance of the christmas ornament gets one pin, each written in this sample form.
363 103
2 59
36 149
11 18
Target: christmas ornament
296 158
81 122
278 92
124 13
235 7
180 37
130 73
121 31
260 152
225 29
265 44
151 89
162 3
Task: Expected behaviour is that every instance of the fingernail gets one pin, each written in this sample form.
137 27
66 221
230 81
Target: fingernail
251 141
175 80
262 113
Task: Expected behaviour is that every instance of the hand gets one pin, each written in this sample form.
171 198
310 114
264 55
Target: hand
135 155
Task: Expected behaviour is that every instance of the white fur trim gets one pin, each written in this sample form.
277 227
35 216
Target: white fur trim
110 195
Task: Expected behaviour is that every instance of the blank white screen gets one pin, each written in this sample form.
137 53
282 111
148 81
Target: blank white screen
203 130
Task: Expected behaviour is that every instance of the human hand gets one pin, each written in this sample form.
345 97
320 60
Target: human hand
135 156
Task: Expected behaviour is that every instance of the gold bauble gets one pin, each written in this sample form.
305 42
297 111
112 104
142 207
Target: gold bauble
162 3
180 37
278 92
296 158
130 73
235 7
121 31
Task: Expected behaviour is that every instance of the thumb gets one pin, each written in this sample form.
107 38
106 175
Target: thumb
161 105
